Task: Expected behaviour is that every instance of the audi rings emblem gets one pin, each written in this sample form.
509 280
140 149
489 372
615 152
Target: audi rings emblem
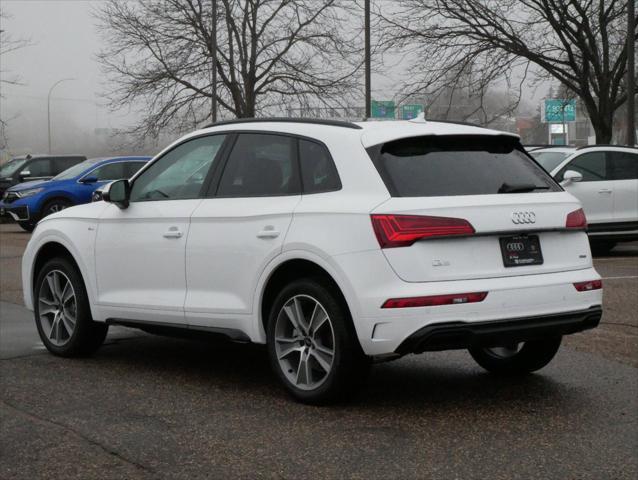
523 217
515 247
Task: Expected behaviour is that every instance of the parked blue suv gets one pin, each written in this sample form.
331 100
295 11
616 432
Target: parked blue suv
28 202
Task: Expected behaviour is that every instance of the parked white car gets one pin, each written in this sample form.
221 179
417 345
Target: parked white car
605 180
334 243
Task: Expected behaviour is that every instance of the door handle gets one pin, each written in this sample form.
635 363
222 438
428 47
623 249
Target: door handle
268 232
173 232
604 191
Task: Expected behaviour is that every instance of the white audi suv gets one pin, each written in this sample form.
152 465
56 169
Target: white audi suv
336 244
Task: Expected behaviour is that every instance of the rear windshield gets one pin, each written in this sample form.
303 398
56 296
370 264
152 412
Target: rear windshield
431 166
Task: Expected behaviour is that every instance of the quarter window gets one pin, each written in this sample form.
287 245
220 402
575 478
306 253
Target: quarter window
318 172
180 173
260 165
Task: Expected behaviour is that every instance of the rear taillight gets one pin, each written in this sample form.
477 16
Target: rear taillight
403 230
576 219
434 300
590 285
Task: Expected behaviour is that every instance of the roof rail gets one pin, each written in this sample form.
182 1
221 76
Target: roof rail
606 145
316 121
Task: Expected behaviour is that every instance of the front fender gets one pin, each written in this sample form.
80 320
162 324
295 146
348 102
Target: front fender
75 235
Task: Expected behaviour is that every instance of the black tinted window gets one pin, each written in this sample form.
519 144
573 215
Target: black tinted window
131 168
456 165
260 165
39 168
318 172
60 164
623 165
592 166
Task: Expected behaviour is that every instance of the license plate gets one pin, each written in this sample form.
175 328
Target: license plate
520 251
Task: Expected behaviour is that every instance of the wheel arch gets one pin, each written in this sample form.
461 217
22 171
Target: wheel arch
297 265
52 247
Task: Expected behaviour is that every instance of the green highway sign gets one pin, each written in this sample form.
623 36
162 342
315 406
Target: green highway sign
383 109
558 110
410 111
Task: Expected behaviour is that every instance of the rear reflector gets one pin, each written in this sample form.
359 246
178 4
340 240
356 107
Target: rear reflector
587 286
576 219
435 300
403 230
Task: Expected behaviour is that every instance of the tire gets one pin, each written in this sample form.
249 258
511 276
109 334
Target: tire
86 336
27 226
347 367
55 205
529 357
599 247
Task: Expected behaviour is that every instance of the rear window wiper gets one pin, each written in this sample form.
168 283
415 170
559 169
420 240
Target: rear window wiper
520 187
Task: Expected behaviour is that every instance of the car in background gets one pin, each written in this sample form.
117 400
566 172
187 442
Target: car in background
35 167
550 157
28 202
605 180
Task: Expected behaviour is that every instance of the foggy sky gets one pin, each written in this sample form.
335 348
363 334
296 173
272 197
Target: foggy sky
65 43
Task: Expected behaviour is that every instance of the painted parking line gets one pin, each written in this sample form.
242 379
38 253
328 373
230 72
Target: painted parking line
620 278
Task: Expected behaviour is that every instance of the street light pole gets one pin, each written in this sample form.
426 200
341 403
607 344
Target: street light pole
213 48
49 107
631 75
368 91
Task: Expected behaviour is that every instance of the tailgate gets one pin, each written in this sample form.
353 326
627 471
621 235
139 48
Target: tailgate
493 217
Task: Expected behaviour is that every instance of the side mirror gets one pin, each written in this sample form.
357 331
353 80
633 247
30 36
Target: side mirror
118 192
25 174
88 180
571 176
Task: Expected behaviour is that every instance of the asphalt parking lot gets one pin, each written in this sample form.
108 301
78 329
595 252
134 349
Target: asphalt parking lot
153 407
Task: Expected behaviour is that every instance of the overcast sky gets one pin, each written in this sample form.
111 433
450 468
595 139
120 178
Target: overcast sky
65 42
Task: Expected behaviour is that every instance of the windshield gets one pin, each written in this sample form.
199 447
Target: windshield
75 170
457 165
549 160
12 166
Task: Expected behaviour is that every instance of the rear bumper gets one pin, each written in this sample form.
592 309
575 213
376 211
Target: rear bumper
461 335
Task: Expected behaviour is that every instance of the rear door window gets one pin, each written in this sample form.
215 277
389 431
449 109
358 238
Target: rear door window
60 164
450 165
260 165
40 167
622 165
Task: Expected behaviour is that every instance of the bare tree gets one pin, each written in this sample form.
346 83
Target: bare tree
8 44
580 43
270 53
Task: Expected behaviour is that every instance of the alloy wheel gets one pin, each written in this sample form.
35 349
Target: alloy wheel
304 342
57 308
